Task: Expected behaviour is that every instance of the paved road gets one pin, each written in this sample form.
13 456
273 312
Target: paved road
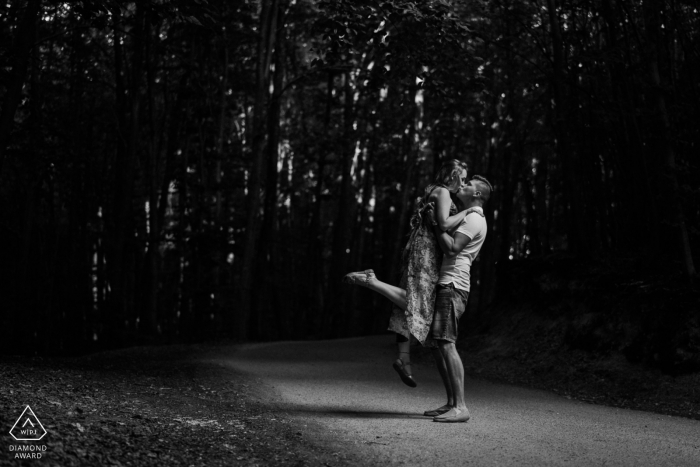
346 392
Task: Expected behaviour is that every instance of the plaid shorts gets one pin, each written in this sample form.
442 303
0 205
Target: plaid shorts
450 304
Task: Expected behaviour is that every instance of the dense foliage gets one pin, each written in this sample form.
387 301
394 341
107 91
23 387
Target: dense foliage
182 170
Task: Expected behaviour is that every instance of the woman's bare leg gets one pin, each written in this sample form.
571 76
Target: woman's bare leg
368 279
405 353
393 293
397 296
403 364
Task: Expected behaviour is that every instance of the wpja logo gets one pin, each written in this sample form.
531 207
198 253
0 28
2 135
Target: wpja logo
28 428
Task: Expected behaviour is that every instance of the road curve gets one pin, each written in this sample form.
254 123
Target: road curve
348 391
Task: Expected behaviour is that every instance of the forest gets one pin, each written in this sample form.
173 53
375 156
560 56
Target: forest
191 170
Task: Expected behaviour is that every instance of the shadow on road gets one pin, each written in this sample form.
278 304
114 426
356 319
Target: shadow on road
334 412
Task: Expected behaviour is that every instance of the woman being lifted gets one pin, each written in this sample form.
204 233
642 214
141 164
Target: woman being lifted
414 298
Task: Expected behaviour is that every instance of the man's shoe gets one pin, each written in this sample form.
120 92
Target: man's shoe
438 411
453 416
359 278
400 368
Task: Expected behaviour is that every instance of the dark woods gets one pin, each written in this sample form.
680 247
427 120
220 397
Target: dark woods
190 170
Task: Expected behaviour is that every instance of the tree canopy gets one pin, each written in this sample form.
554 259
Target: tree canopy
182 170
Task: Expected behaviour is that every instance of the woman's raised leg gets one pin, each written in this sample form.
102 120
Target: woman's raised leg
369 279
397 295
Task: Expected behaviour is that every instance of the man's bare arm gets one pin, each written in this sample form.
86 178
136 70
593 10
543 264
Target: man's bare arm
451 246
442 201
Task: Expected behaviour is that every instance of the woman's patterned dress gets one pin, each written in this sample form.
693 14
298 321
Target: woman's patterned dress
420 270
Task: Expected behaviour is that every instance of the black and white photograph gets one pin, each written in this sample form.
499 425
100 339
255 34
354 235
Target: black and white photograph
349 233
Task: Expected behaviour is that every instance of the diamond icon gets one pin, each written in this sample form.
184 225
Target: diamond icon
28 427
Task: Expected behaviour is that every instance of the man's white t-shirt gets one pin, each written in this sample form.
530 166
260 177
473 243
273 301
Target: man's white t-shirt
456 270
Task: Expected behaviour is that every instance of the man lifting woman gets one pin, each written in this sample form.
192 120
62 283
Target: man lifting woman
435 283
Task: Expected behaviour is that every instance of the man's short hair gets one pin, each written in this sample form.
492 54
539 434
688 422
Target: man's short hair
484 187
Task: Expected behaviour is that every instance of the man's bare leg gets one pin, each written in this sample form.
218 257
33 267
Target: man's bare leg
455 375
442 368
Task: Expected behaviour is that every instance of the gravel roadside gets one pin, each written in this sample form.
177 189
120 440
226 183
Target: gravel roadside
149 406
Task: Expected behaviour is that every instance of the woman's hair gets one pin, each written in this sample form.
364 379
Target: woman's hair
448 175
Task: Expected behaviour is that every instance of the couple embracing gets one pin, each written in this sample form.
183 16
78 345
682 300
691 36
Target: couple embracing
448 229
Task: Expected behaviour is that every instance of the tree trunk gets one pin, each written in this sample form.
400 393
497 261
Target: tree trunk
505 212
542 199
120 219
358 322
671 189
343 225
154 226
268 26
178 115
21 55
405 205
576 227
219 236
316 245
272 313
